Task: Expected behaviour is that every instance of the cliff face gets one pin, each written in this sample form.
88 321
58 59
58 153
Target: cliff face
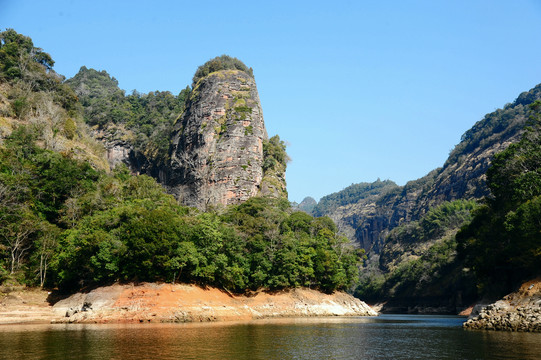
116 142
369 222
462 179
217 145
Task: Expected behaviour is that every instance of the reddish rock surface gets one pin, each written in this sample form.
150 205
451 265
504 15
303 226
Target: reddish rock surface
175 303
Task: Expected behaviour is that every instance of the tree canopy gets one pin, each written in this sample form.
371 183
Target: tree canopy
18 52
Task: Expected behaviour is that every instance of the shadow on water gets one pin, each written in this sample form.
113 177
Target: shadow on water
383 337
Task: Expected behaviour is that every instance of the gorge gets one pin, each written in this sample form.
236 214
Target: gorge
99 187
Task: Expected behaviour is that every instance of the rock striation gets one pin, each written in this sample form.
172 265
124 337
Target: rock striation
519 311
217 144
116 141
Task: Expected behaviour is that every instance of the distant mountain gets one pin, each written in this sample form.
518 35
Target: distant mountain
307 204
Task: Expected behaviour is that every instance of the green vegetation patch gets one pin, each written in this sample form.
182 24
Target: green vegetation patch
80 228
243 109
224 62
239 103
243 94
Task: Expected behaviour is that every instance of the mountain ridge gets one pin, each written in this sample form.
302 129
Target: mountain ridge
462 176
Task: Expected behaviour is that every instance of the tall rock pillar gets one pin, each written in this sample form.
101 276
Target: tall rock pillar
217 145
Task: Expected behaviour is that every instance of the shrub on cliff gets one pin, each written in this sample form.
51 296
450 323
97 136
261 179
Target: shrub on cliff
224 62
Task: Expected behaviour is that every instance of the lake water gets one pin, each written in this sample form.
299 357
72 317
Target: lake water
383 337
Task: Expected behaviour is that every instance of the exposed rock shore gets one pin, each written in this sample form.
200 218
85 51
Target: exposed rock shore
518 311
184 303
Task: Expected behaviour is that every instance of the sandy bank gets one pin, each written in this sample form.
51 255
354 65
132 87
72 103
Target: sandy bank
25 306
176 303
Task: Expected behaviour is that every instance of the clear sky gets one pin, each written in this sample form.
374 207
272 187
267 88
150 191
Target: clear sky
359 90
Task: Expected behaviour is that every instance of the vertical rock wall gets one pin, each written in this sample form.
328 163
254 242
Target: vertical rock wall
217 145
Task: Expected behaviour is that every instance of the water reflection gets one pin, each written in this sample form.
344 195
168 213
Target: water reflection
384 337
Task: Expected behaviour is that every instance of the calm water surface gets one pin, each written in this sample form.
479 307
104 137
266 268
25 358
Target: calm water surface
383 337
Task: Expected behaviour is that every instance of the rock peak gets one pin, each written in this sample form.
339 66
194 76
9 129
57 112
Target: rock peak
217 145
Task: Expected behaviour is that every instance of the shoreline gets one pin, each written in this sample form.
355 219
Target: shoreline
167 303
519 311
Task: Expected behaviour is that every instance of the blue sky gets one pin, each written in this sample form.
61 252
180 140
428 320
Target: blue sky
359 90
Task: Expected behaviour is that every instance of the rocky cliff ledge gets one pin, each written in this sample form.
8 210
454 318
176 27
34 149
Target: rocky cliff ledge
217 146
519 311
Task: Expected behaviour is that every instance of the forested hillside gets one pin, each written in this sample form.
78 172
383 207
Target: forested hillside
65 224
461 177
353 194
68 221
142 122
33 94
418 267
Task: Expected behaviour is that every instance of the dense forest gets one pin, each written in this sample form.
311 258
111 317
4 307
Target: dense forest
66 221
65 224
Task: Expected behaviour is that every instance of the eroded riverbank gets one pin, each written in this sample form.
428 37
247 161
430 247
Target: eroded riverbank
174 303
518 311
